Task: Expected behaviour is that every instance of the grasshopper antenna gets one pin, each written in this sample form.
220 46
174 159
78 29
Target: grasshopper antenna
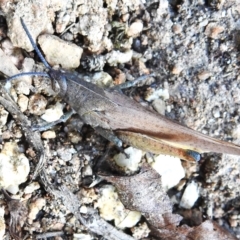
34 45
42 74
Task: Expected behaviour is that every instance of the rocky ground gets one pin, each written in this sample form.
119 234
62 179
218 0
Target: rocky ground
191 47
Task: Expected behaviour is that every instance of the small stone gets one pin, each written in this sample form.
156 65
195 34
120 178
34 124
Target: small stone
159 105
163 7
36 23
28 65
125 17
218 212
65 153
152 94
74 137
14 167
25 83
59 52
6 135
233 222
102 79
190 195
135 29
120 77
111 208
216 112
204 75
170 169
177 28
87 171
177 69
115 57
203 23
132 161
82 236
83 209
31 187
142 67
87 196
141 231
53 113
8 48
34 209
49 135
23 102
92 25
169 108
7 67
37 104
213 30
210 210
3 116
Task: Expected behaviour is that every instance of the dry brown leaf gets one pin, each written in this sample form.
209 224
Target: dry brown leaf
143 192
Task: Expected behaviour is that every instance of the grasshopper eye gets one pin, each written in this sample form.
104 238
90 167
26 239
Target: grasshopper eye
59 82
55 86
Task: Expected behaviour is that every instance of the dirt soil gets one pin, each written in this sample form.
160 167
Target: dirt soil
192 47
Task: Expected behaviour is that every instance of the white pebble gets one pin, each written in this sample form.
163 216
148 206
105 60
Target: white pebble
23 102
31 187
24 84
54 113
7 67
81 236
115 57
14 167
59 52
111 208
190 195
135 29
83 209
216 112
159 105
131 163
159 93
3 116
163 7
170 168
49 135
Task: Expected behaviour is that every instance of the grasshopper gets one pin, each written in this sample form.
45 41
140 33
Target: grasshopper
121 119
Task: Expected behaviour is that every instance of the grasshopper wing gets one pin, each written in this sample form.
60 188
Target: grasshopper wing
132 117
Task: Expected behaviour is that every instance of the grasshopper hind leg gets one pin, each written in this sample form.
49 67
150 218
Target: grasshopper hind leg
149 144
194 154
109 135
